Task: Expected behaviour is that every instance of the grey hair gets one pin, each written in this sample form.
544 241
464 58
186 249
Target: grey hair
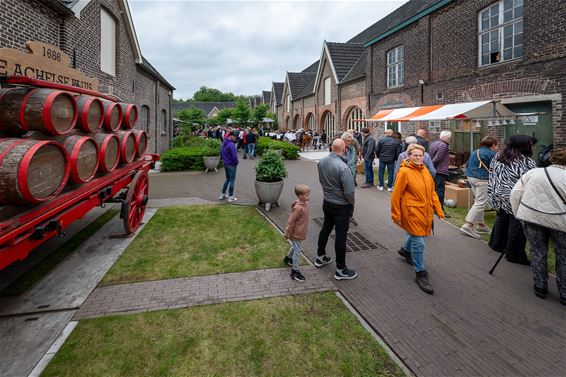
411 140
445 134
346 136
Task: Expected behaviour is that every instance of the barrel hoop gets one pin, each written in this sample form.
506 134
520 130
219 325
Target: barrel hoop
101 107
23 122
47 112
8 149
23 170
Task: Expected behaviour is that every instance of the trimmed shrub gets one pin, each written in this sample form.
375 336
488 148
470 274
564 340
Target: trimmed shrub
189 155
270 168
290 151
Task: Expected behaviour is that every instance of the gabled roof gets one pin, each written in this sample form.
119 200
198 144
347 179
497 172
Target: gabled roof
297 81
358 71
396 20
278 92
308 90
312 68
146 66
266 97
343 56
206 107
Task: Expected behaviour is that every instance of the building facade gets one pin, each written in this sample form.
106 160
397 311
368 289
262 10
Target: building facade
99 38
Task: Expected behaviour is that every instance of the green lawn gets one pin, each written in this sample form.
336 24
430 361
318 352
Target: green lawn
199 240
308 335
32 276
459 218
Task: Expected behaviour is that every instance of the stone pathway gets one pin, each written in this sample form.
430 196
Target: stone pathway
201 290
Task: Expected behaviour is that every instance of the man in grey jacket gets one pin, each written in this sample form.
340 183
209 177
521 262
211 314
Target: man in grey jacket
368 152
338 190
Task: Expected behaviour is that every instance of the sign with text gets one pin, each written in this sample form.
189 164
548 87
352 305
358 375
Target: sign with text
43 62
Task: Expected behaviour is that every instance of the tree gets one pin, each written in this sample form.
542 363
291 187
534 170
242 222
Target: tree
241 113
192 116
223 115
259 113
205 94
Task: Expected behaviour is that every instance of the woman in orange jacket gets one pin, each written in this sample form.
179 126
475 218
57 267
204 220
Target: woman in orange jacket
412 204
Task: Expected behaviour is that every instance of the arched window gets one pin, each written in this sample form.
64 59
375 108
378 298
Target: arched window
329 125
311 122
287 123
297 122
163 121
144 118
353 119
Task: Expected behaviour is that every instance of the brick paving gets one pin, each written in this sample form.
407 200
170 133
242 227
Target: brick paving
201 290
474 324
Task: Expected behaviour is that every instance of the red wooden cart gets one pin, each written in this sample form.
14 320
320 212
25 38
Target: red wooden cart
22 229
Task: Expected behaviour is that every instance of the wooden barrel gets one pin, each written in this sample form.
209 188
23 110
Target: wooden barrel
109 151
112 116
91 113
31 171
83 157
141 142
127 146
52 112
10 104
129 115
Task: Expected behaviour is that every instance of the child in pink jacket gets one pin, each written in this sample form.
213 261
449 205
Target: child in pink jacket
296 229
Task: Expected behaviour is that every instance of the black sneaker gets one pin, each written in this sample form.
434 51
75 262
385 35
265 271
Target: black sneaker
407 255
296 274
288 261
319 262
422 281
345 274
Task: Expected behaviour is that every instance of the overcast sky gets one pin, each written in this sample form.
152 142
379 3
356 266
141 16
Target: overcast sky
242 46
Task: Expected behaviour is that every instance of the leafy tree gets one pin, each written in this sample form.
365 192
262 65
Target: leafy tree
205 94
192 116
223 115
241 113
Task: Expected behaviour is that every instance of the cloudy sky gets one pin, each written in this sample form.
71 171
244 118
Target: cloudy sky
242 46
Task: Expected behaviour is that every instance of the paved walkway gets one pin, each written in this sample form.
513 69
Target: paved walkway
474 324
201 290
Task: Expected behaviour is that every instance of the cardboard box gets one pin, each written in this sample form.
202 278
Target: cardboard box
462 196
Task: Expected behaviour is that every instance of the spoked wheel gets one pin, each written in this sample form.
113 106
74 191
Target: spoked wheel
136 201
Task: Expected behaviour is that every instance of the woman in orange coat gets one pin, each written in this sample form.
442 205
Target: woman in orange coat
412 205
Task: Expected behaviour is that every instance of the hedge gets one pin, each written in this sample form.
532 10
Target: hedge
188 154
290 151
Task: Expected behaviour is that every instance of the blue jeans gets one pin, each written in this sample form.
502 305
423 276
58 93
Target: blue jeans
230 179
415 244
251 149
390 172
368 171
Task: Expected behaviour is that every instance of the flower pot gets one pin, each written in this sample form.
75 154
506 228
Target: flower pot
211 162
268 193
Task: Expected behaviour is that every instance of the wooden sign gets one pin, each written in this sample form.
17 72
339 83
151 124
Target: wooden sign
43 62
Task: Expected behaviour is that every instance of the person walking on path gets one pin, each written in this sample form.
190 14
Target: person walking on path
427 161
412 204
507 167
296 229
251 139
387 150
539 200
477 171
229 157
338 190
440 159
368 154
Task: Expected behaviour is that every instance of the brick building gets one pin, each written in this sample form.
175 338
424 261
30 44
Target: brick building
100 39
430 52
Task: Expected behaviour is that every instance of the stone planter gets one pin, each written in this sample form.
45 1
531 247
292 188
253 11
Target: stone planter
211 162
268 193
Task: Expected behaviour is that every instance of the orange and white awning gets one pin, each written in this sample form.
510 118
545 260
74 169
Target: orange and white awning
465 110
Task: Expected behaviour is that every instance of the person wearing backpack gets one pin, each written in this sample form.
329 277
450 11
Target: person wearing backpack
477 171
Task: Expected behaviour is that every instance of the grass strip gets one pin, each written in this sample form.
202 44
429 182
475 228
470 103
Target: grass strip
32 276
199 240
307 335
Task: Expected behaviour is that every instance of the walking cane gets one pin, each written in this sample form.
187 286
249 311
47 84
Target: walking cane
496 263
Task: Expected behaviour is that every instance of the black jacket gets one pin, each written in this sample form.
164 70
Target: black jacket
368 148
388 148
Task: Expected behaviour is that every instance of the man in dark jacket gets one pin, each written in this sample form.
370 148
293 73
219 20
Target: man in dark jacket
440 159
230 159
387 150
421 139
368 152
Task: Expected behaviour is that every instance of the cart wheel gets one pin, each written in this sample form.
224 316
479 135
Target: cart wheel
136 201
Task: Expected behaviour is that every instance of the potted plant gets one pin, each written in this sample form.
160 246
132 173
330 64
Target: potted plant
269 174
211 154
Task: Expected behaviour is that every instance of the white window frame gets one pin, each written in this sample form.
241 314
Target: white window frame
107 42
144 118
500 32
435 126
356 113
327 91
288 102
330 125
311 121
163 121
396 67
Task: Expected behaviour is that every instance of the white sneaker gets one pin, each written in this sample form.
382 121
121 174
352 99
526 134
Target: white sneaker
222 196
380 188
469 230
390 189
232 199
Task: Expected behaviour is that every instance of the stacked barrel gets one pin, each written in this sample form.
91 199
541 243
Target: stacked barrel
52 139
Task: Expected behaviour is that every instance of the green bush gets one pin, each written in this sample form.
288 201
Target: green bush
270 168
186 158
290 151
